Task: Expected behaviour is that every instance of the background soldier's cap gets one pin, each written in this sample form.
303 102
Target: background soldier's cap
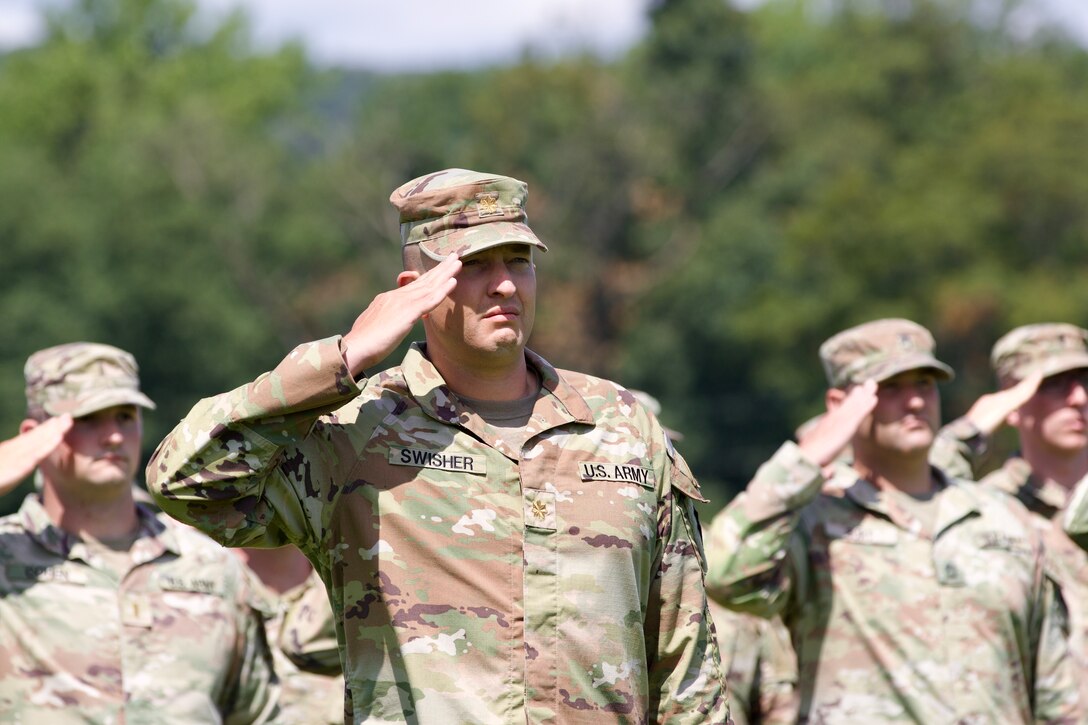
80 378
1047 347
878 350
654 405
456 211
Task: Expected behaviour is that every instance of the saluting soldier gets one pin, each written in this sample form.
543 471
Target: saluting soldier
911 597
110 612
502 541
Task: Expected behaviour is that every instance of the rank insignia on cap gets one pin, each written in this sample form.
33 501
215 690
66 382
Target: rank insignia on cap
487 203
905 342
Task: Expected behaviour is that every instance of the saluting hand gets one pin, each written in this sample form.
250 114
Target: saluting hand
20 455
990 411
834 431
390 316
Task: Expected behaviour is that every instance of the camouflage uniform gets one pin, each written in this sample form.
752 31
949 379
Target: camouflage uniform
890 624
173 640
306 698
1051 348
308 634
470 581
760 668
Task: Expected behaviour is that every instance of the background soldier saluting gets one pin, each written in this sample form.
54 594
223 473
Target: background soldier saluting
910 596
108 611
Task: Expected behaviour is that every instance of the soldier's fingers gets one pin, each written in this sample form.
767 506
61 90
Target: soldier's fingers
1027 387
428 291
447 268
59 425
44 439
862 398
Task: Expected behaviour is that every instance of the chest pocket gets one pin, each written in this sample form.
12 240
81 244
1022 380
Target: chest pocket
863 554
607 503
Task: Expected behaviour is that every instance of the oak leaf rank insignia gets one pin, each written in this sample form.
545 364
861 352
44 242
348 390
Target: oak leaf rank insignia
487 204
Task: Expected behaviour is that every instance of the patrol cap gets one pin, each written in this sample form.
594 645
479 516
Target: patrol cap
878 350
457 211
1047 347
80 378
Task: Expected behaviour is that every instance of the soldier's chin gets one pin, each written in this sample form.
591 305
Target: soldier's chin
916 440
506 340
112 475
921 444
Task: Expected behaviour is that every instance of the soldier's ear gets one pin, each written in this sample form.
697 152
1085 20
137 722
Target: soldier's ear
1014 419
407 277
28 425
833 398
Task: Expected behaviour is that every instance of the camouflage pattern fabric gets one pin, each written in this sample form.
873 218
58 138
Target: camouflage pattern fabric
1067 562
175 641
1049 348
879 350
305 698
457 211
958 449
308 635
471 582
79 378
760 668
891 626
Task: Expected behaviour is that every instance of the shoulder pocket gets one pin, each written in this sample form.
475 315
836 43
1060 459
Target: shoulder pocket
682 478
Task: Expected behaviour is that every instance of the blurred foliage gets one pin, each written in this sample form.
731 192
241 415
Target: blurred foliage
734 190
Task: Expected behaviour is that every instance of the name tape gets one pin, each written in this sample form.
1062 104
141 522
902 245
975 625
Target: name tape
459 462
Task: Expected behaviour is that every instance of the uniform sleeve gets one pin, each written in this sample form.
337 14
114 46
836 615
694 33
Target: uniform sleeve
239 466
1075 518
959 449
255 696
779 700
1056 692
755 552
685 674
308 636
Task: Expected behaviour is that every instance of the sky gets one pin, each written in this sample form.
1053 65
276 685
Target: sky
436 34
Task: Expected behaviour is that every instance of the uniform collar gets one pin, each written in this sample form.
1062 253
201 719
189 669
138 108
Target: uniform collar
1044 497
153 539
557 404
956 502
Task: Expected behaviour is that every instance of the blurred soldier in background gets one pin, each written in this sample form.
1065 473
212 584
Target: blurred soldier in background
757 657
1047 363
910 596
109 613
290 592
502 541
760 667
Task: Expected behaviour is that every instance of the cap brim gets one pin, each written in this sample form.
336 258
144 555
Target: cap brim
471 240
910 362
1059 364
100 400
